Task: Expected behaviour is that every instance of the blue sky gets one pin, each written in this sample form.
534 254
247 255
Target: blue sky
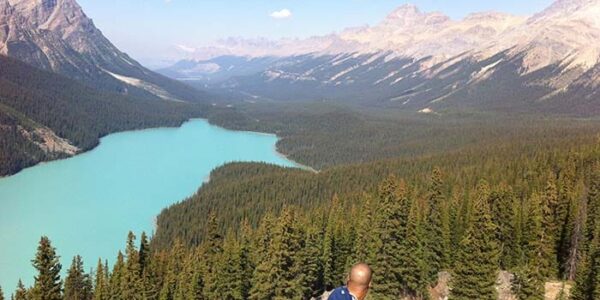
150 29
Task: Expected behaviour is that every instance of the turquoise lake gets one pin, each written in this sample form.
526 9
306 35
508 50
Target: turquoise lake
87 204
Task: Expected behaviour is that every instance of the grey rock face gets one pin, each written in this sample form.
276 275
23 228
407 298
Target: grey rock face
56 35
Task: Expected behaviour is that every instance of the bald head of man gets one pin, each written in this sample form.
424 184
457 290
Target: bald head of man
359 280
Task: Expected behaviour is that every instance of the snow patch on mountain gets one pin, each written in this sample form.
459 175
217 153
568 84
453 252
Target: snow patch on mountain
151 88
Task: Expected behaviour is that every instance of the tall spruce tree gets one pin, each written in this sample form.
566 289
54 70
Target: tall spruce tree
48 285
593 203
331 246
309 267
246 264
78 285
196 280
212 248
132 279
502 202
262 238
476 265
116 279
275 277
144 252
456 223
365 245
551 225
21 293
101 279
174 269
414 255
213 237
530 279
186 285
229 281
517 252
587 280
261 284
565 215
437 239
391 230
577 242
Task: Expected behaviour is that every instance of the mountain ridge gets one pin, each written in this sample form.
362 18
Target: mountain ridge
422 61
57 35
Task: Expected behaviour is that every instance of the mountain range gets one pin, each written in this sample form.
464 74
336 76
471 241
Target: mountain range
427 62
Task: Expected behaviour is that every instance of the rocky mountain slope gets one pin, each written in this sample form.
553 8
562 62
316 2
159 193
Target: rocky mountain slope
45 116
56 35
547 63
63 86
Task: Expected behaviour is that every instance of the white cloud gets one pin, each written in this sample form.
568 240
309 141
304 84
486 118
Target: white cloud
281 14
185 48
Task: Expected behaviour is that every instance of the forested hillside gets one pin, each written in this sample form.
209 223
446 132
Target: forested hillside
45 116
323 135
242 190
530 210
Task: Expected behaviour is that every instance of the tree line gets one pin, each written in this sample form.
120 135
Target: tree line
407 232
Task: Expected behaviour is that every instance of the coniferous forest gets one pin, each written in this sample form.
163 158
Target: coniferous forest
458 158
443 225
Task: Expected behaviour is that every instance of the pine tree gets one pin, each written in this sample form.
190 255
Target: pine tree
414 257
262 239
174 269
246 264
101 291
529 281
437 239
463 219
502 202
116 278
365 245
78 284
186 284
454 209
275 277
345 235
593 204
565 213
391 230
144 252
477 259
587 280
1 294
309 267
577 234
551 226
214 240
132 280
21 292
331 248
229 280
261 244
212 248
48 285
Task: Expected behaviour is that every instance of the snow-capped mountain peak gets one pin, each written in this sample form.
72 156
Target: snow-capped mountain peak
410 15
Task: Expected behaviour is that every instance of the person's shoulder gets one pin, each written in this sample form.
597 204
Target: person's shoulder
340 293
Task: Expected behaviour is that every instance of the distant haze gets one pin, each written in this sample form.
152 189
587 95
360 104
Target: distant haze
159 31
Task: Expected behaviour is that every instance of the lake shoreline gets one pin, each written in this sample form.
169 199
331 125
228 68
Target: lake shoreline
278 152
142 171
